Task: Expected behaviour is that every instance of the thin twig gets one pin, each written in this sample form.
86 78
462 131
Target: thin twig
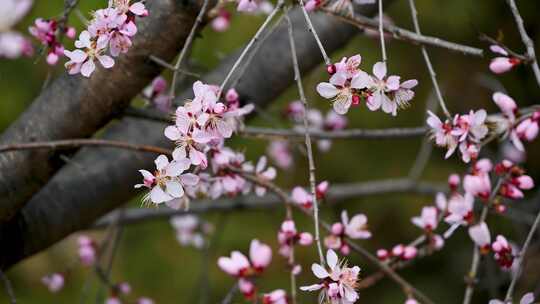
8 287
251 43
230 295
169 66
403 34
432 73
75 143
527 41
532 232
381 31
471 276
311 161
187 46
314 32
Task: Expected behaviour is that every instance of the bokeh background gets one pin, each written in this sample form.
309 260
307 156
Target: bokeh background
151 260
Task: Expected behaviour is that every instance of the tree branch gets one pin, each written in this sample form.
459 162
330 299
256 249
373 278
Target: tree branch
76 107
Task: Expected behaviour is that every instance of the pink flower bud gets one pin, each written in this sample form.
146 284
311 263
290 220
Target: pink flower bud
331 69
247 288
345 249
124 288
321 189
288 227
232 95
506 103
453 181
311 5
54 282
398 250
382 254
410 253
501 65
221 24
524 182
297 269
52 58
71 32
483 165
306 239
337 229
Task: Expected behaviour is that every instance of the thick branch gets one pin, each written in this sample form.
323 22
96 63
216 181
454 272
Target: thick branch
76 107
107 176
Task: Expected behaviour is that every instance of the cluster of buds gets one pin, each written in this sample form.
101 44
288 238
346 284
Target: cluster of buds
354 228
399 251
110 29
48 33
239 266
349 85
502 250
87 250
515 180
288 236
503 63
304 199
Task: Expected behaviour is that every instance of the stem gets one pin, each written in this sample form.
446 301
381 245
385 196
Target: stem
314 32
75 143
187 46
9 287
251 43
527 41
510 290
381 31
469 291
432 73
312 179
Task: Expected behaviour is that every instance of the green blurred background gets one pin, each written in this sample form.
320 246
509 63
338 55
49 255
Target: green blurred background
151 260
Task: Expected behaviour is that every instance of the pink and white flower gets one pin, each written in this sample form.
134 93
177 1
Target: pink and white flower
238 265
83 61
428 220
480 235
527 298
338 282
54 282
12 43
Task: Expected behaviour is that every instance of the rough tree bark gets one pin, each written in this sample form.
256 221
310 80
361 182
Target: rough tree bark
98 180
76 107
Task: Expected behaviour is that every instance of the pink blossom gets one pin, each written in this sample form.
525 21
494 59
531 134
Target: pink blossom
247 288
168 182
45 31
262 172
248 6
278 296
383 254
478 185
222 22
156 94
87 250
238 264
83 61
507 105
288 236
411 301
312 5
527 298
189 230
338 282
480 235
442 133
113 300
453 181
340 90
356 227
470 125
54 282
460 209
13 44
528 129
278 150
403 252
302 197
380 86
504 64
145 301
124 288
502 252
428 220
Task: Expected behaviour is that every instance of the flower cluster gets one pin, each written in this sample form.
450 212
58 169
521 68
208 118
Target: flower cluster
467 131
349 85
47 33
354 228
338 283
239 266
87 250
288 236
156 95
110 29
502 251
12 43
191 231
301 197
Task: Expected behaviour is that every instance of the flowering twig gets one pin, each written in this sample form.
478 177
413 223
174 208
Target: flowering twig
314 32
532 232
512 53
471 276
403 34
309 148
381 31
429 65
527 41
251 43
9 288
186 47
74 143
